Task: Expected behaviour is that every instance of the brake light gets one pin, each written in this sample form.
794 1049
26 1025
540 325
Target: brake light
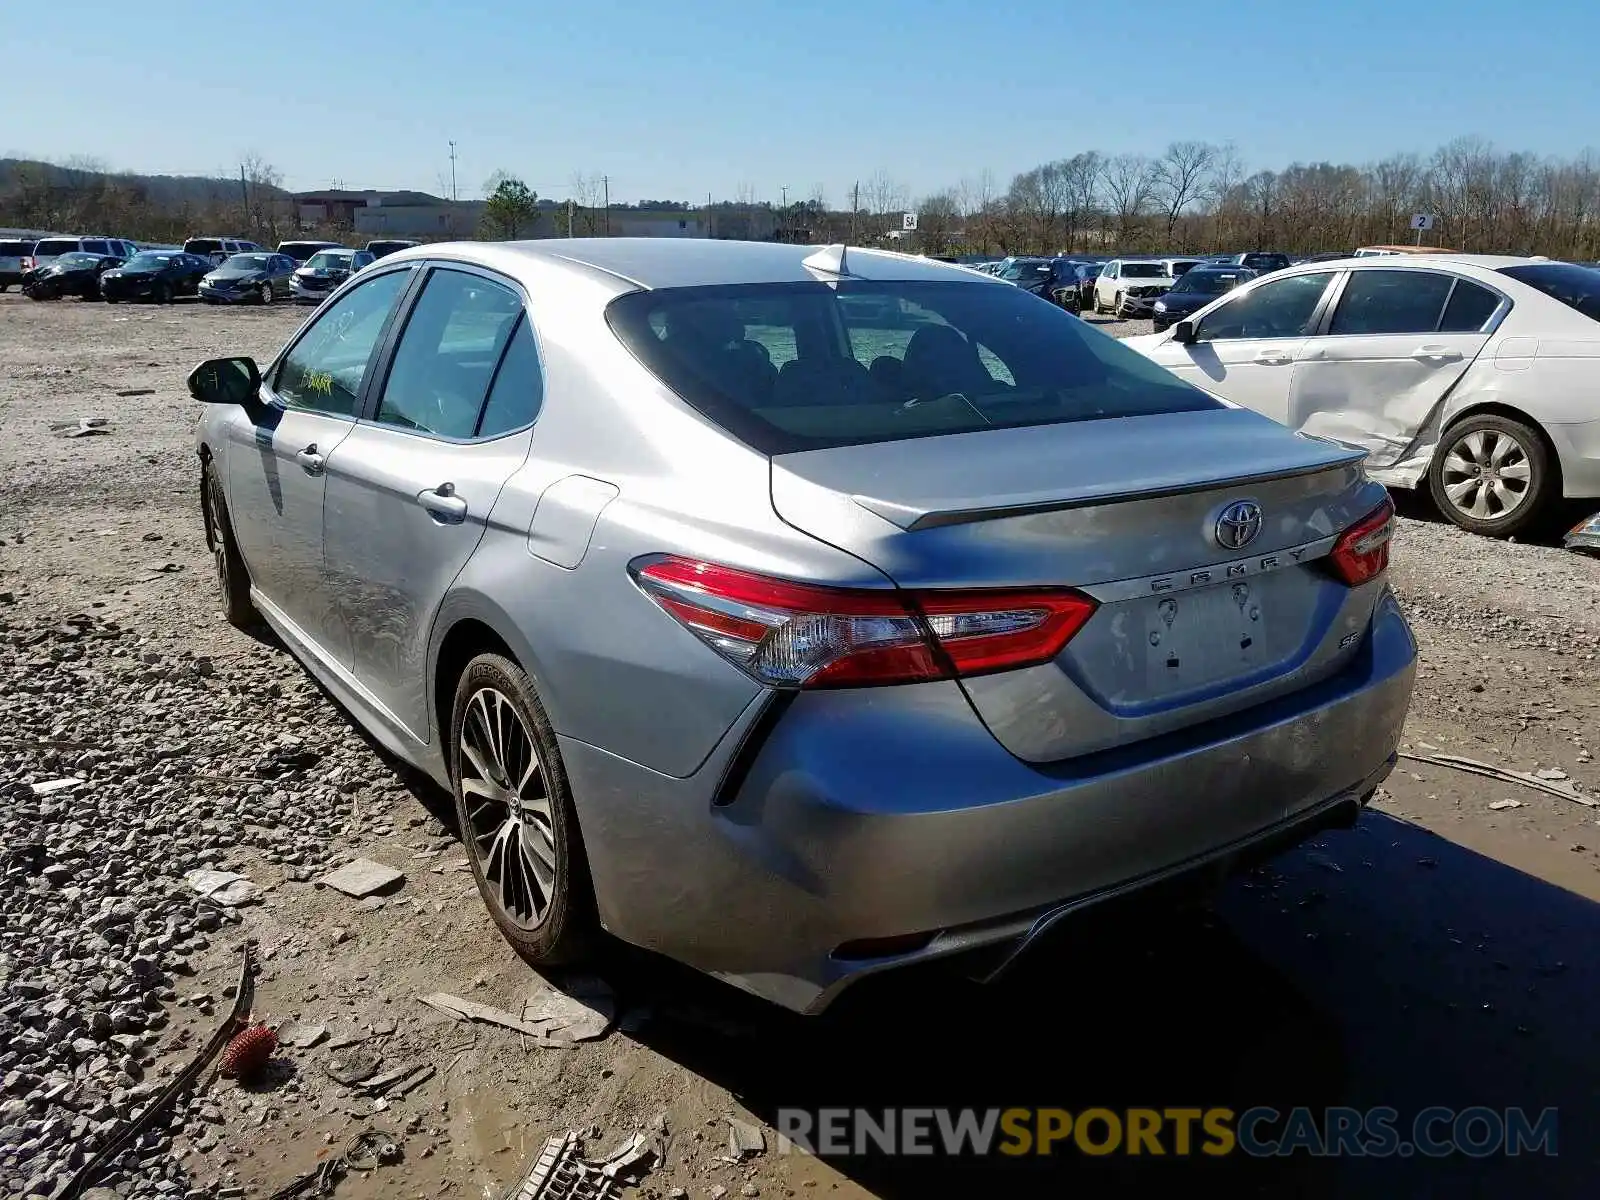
804 635
1362 551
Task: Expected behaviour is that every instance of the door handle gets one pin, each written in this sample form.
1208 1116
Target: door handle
443 504
310 459
1273 358
1436 354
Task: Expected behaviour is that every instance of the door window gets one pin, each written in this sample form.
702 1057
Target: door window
96 247
518 390
1469 308
453 340
1379 302
1282 308
324 370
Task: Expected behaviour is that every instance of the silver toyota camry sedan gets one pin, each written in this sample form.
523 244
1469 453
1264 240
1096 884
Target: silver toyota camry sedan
800 613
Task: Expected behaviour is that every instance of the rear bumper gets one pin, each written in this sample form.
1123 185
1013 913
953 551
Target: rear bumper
879 813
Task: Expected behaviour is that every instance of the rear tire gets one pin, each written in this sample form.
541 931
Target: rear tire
266 293
518 821
233 578
162 293
1493 475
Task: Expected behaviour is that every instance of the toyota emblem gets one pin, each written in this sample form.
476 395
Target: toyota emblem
1239 524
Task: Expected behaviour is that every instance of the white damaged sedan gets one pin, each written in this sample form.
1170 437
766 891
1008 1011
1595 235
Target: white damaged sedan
1478 374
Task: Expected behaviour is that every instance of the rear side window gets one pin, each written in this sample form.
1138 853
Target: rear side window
1377 302
452 343
518 390
51 247
15 249
801 366
202 246
1576 287
1469 308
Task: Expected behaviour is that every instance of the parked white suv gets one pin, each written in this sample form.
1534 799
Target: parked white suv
47 250
1130 287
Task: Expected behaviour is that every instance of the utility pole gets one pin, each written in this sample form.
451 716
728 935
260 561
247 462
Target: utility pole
454 195
569 216
244 195
855 207
605 183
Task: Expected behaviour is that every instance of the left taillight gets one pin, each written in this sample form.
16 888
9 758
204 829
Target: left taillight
803 635
27 262
1362 551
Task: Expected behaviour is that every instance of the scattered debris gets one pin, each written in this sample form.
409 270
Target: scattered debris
353 1068
1561 788
1550 773
49 786
181 1083
82 427
1502 805
1323 861
368 1150
562 1173
581 1011
470 1010
227 888
398 1081
362 878
248 1053
136 392
745 1139
303 1037
1585 535
163 568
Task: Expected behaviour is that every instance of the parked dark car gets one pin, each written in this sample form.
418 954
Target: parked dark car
16 260
74 274
301 251
385 246
258 278
325 271
158 275
1195 289
1084 273
218 249
1052 279
1259 261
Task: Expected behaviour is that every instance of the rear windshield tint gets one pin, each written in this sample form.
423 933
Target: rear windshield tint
15 249
1576 287
51 247
202 246
808 366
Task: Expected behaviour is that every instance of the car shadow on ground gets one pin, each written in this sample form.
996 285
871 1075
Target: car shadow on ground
1418 505
1383 966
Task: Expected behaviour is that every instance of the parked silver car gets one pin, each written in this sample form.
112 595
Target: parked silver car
797 613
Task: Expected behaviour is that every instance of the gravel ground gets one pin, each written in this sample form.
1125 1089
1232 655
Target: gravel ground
144 739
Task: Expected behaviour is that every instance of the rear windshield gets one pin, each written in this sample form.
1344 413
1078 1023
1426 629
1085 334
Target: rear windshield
15 249
1182 266
810 366
148 262
50 247
1143 271
333 260
202 246
1265 262
1576 287
301 250
1212 282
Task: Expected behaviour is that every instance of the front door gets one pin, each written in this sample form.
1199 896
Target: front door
411 491
1245 350
1396 342
276 464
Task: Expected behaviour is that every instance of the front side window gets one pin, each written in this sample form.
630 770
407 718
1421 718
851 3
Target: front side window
1379 302
1281 308
801 366
324 370
447 355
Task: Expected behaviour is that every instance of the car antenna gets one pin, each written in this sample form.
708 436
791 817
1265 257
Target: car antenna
827 261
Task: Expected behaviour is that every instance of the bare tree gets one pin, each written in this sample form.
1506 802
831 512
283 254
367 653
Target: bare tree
938 219
1178 178
883 194
1037 197
1129 184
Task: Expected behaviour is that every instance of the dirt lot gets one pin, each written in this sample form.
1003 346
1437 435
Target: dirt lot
1441 953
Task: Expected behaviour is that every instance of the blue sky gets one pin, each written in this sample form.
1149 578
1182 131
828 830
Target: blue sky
683 98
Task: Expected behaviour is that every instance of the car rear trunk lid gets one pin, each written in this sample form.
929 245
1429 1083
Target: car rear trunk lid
1129 511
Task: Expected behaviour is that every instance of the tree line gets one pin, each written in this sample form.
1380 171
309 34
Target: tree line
1198 196
1194 196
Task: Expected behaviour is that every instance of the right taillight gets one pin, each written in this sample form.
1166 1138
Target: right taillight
803 635
1362 551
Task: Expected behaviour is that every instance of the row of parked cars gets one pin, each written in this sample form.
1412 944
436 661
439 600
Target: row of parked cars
216 269
1132 287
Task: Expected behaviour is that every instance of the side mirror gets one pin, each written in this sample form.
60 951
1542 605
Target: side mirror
1183 332
226 381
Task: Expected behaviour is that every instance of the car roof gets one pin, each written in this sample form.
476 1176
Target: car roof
692 262
1486 262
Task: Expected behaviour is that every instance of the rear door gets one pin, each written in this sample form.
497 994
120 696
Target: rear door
1392 345
1245 348
411 490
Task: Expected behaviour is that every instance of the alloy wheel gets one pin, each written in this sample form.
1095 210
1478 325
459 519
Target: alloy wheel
1487 475
219 539
508 808
266 293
